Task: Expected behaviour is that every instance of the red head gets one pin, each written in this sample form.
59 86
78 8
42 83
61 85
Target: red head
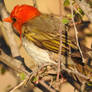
20 15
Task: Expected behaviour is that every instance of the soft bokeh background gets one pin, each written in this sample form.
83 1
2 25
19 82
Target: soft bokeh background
46 6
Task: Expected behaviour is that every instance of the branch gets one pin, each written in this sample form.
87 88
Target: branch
60 32
19 85
12 63
35 3
76 32
7 31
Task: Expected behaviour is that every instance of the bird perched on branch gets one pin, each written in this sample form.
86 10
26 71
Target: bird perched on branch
39 33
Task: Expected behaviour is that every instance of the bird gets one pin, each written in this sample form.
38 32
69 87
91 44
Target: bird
39 34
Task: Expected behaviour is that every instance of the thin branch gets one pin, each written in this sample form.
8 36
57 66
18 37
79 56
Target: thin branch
18 86
60 47
76 32
77 73
48 87
77 11
12 63
34 3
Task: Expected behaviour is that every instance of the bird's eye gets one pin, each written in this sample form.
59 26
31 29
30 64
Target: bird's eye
14 19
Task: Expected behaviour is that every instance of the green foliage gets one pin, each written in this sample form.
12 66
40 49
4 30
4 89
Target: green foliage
35 79
78 14
2 70
66 3
22 76
69 16
80 11
65 21
89 84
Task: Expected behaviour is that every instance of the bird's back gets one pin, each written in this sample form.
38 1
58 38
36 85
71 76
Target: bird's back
46 23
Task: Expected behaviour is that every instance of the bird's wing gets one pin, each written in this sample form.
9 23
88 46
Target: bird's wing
48 41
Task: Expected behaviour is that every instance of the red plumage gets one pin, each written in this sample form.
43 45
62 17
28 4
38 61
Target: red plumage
22 14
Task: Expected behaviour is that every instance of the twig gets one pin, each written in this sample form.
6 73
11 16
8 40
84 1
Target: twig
12 63
77 11
77 73
60 47
76 32
34 3
19 85
48 87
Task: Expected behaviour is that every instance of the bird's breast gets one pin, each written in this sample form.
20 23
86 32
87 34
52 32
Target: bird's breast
39 55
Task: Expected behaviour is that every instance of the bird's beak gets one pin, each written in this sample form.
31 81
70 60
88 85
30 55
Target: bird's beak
8 20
